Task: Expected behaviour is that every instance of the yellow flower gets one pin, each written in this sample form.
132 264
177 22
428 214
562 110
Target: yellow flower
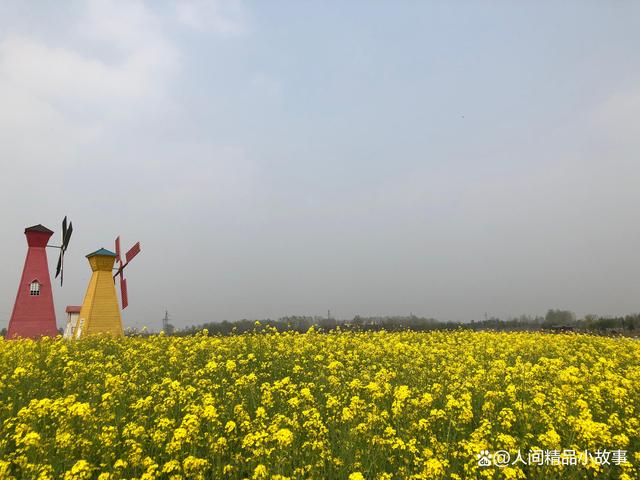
230 426
335 365
81 470
193 465
434 468
284 437
79 409
31 439
260 472
171 466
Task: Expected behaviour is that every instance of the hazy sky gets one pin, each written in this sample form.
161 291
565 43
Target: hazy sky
278 158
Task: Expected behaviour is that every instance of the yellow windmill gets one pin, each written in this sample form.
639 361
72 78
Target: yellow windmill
100 312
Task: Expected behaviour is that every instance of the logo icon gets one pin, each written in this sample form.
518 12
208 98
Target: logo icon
484 458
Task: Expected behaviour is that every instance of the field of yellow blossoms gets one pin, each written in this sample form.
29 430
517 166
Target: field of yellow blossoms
326 406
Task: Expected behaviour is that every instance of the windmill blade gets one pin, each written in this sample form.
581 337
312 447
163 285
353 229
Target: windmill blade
133 251
67 235
64 228
124 295
118 257
59 266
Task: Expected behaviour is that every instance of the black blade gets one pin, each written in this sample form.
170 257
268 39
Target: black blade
67 236
59 266
64 228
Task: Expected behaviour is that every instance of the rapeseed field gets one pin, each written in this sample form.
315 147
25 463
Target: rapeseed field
342 405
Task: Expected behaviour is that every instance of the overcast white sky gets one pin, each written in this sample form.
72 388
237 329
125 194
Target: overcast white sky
442 158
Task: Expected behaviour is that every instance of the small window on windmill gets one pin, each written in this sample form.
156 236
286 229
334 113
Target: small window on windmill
34 288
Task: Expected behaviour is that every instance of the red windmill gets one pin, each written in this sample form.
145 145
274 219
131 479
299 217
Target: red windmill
131 253
33 313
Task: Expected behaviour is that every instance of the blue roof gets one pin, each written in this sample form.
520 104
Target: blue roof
102 251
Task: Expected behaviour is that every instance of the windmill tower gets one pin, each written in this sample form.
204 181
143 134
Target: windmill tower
33 313
100 312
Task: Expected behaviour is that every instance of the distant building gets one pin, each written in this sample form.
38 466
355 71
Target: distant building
73 312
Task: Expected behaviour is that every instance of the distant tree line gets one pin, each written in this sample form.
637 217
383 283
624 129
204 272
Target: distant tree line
554 320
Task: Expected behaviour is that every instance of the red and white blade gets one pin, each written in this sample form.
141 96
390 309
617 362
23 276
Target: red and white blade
118 257
124 296
135 250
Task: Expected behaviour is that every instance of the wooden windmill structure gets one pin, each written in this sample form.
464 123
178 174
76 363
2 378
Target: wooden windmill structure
33 314
100 312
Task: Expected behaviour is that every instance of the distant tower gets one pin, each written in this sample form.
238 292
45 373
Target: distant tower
33 313
100 312
165 321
